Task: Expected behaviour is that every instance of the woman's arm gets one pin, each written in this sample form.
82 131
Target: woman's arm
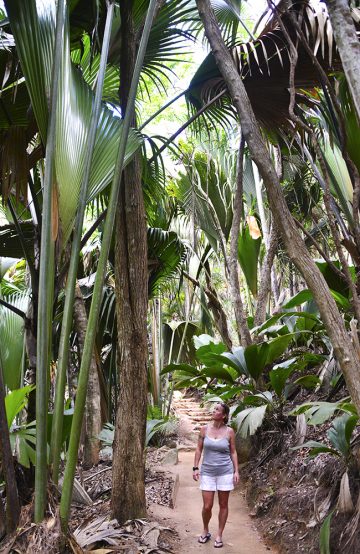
198 452
234 456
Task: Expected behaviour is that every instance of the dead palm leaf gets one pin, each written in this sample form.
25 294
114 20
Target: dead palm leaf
264 65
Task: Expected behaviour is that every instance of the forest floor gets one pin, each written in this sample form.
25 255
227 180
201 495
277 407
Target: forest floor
278 507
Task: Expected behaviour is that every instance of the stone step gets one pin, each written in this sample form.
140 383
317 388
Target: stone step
201 418
191 412
186 406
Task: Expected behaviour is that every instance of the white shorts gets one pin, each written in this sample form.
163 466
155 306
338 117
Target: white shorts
218 483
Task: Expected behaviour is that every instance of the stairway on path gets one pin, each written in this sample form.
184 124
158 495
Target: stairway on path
192 416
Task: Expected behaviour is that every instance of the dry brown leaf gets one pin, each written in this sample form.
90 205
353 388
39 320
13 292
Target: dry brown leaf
345 503
254 230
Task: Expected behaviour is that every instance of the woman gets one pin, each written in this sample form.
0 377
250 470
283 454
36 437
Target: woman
219 469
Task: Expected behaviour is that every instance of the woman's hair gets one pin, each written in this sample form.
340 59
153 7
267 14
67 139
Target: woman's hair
226 409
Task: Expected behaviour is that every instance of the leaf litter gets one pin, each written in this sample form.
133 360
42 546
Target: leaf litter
91 528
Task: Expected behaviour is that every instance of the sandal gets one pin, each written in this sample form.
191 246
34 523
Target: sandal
218 544
204 538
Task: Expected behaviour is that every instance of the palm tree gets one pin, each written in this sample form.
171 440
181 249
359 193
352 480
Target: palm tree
343 347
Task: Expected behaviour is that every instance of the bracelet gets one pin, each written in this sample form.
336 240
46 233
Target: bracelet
195 468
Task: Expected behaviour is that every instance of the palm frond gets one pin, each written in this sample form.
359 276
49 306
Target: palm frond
264 65
12 339
33 26
89 64
5 264
172 29
10 244
166 253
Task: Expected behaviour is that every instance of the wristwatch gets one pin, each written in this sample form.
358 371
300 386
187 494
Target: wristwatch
195 468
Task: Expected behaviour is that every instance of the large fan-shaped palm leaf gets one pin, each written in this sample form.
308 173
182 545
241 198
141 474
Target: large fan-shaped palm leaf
12 339
205 194
33 26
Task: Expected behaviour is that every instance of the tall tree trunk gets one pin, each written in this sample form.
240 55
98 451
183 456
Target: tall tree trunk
266 235
93 422
2 520
131 285
12 497
156 346
240 317
348 45
265 277
214 304
295 246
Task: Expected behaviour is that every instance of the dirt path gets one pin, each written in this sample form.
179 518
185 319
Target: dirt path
240 536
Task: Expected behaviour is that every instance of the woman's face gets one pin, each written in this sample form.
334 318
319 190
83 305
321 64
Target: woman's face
218 413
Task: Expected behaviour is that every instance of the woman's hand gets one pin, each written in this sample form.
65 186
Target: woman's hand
196 475
236 477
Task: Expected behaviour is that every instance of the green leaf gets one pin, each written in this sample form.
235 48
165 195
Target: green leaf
258 356
186 368
333 280
308 381
316 448
203 340
341 300
217 373
35 47
317 413
66 426
12 339
236 360
285 316
166 253
15 401
22 439
208 354
255 360
340 433
340 182
299 298
324 536
248 254
249 420
280 374
258 399
152 426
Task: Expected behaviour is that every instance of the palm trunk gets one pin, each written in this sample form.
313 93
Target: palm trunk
93 421
267 239
70 468
214 304
296 249
128 488
348 45
2 520
265 278
131 285
91 454
240 317
46 281
156 345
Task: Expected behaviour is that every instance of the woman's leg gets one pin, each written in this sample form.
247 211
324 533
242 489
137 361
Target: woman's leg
208 501
223 512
